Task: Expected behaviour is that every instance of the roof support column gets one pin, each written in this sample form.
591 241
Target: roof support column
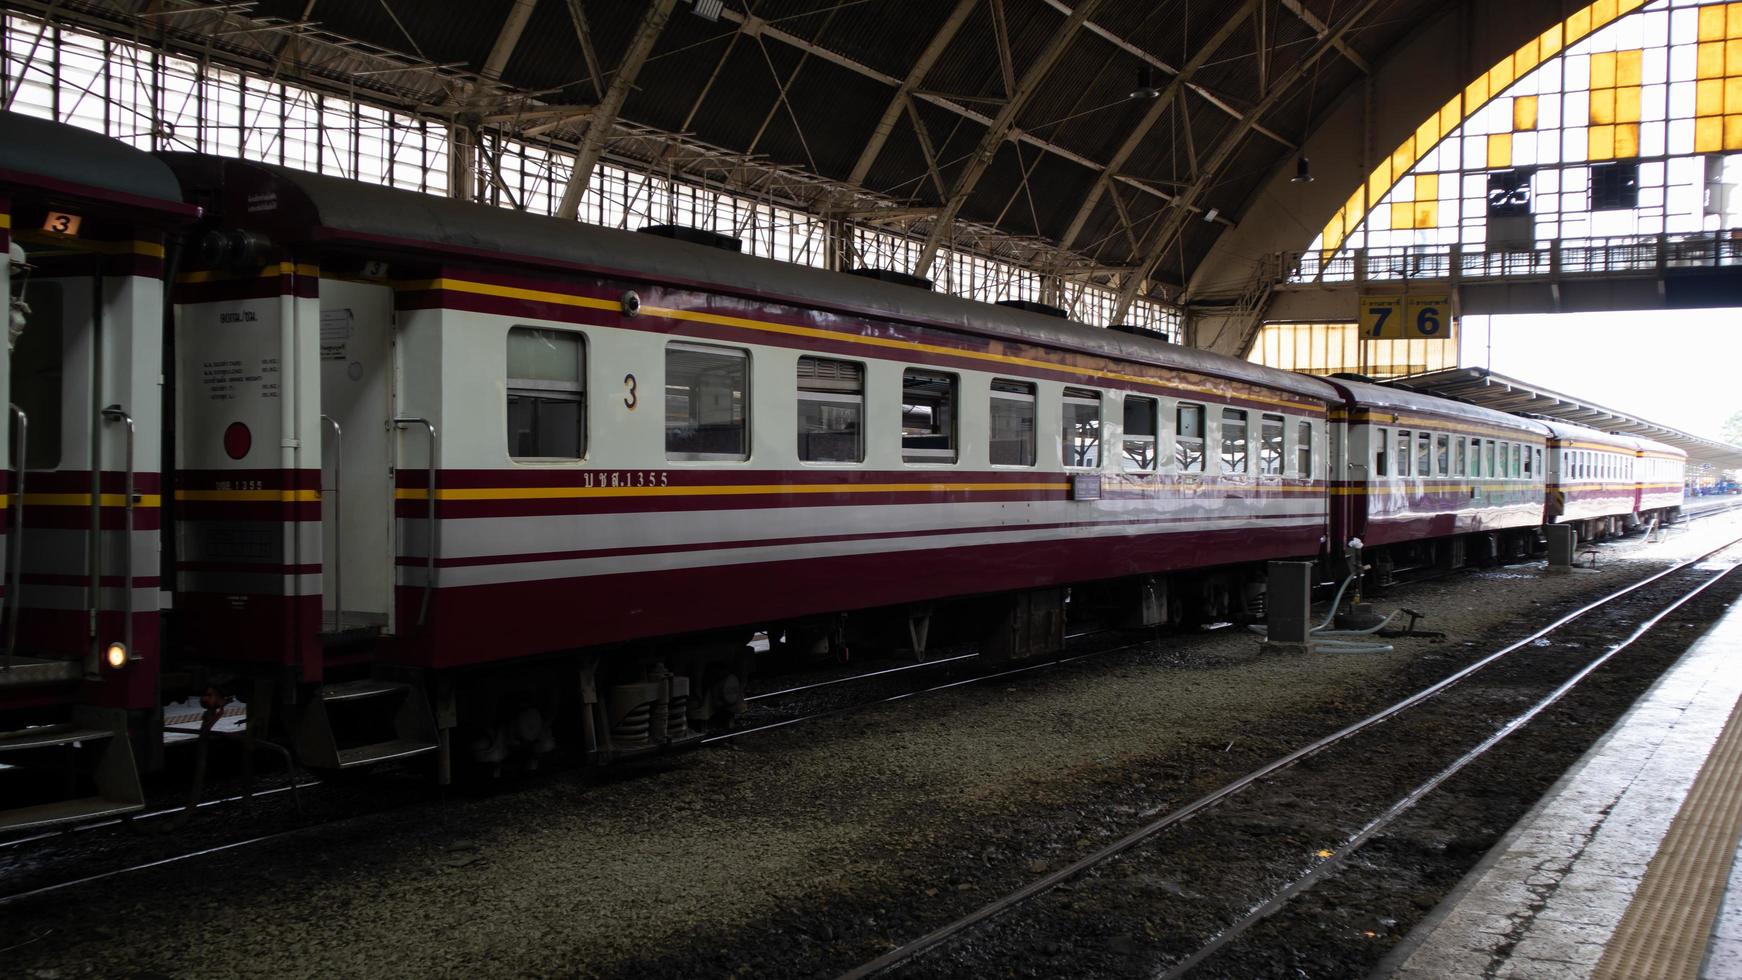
605 116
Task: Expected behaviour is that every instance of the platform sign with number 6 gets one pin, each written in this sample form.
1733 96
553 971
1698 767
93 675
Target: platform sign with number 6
1419 316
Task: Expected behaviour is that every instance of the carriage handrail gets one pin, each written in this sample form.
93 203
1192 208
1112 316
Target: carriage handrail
430 514
115 413
338 560
15 543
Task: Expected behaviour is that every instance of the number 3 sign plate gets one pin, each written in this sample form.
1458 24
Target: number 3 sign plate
1419 316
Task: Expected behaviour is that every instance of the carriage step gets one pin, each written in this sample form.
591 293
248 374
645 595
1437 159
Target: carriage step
65 811
397 748
47 735
29 671
358 690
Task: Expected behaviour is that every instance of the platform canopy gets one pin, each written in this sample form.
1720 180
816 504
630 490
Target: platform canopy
1480 386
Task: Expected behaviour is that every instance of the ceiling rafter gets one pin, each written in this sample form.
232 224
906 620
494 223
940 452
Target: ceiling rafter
1158 106
584 34
1312 20
999 130
904 89
605 116
1169 228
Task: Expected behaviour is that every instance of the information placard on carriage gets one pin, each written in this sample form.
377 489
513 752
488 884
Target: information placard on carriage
1085 486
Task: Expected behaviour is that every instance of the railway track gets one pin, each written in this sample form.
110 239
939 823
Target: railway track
970 928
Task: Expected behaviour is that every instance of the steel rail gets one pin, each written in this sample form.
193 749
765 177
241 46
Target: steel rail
909 950
149 814
1354 842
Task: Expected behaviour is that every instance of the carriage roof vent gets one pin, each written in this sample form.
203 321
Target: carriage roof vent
1033 307
1137 331
890 275
695 236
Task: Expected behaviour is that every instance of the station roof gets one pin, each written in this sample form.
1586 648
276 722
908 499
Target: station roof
1480 386
1105 140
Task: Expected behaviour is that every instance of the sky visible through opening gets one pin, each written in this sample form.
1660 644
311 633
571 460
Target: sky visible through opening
1681 368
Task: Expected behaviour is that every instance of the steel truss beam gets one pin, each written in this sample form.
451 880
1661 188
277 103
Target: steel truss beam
599 123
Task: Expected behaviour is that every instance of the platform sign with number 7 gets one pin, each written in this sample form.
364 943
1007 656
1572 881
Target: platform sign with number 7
1423 316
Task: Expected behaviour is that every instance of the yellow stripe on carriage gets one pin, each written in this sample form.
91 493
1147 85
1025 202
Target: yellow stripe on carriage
764 326
252 496
84 500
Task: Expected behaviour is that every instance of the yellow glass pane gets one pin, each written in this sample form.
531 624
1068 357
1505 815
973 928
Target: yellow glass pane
1708 134
1627 104
1602 12
1550 42
1451 114
1428 134
1710 60
1404 156
1712 23
1333 235
1603 70
1476 93
1733 20
1500 150
1579 24
1355 207
1602 106
1626 140
1600 142
1427 214
1629 6
1402 214
1733 132
1523 113
1526 57
1733 57
1732 96
1379 181
1427 187
1709 97
1500 76
1629 67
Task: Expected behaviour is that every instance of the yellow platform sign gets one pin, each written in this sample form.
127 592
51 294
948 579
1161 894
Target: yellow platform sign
1418 316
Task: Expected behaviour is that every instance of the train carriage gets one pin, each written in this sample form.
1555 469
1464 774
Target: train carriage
1659 473
1601 482
560 438
1422 469
86 220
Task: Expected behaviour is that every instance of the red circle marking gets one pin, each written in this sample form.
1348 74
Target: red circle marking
237 440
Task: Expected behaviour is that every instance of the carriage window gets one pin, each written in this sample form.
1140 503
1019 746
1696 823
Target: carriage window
928 417
1443 453
707 402
1517 460
546 403
1423 454
1401 464
831 411
1383 441
1488 458
1460 458
1234 441
1303 451
1082 427
1142 419
1188 449
36 374
1270 445
1527 462
1012 442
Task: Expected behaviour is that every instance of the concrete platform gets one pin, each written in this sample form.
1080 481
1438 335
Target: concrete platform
1627 867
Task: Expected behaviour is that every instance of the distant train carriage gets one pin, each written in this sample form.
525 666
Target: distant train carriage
86 220
1423 474
1659 472
560 439
1603 482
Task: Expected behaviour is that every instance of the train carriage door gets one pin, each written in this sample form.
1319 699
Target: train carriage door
357 390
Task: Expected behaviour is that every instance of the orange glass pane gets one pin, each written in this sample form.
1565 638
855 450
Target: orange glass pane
1333 235
1403 214
1710 60
1712 23
1451 114
1428 134
1709 97
1602 106
1600 143
1602 12
1626 140
1708 134
1733 57
1627 104
1500 150
1550 42
1523 113
1379 181
1603 70
1404 156
1733 132
1427 214
1629 67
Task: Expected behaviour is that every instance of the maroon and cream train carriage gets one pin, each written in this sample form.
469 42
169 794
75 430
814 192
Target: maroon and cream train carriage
1602 482
86 220
1437 475
630 438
